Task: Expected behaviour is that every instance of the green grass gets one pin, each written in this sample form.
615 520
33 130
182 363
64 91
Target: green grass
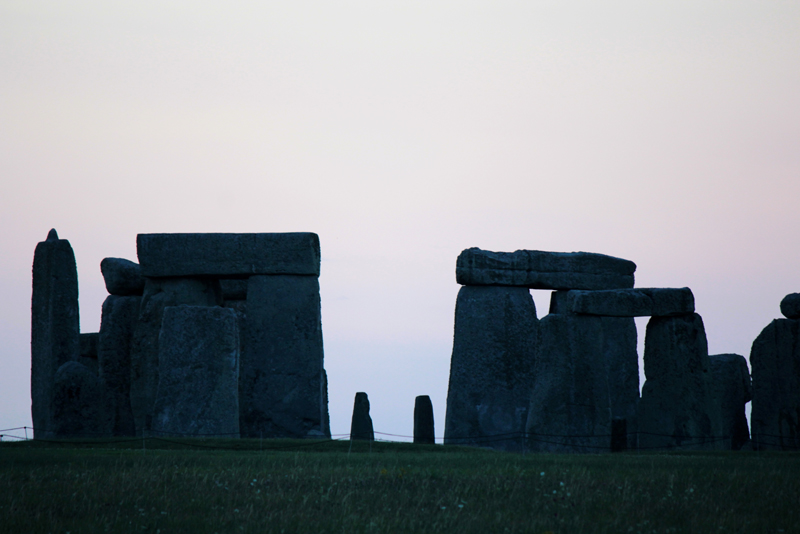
301 486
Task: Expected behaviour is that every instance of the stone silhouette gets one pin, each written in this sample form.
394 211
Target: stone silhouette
122 277
87 354
730 390
423 421
361 424
639 302
79 408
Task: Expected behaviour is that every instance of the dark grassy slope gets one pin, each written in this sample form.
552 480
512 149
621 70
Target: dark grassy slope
304 487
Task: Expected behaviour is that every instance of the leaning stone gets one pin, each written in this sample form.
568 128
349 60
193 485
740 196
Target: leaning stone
198 384
775 368
423 421
88 351
79 407
491 368
228 255
118 322
790 306
234 289
640 302
570 403
729 390
281 392
361 424
122 277
158 294
536 269
675 405
54 325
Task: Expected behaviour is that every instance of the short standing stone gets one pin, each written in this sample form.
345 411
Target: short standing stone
675 405
361 424
281 392
491 368
775 367
118 323
88 351
122 277
543 270
423 421
228 255
158 294
790 306
79 408
54 325
729 390
198 384
639 302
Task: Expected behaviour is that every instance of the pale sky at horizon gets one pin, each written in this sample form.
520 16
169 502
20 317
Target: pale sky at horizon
667 133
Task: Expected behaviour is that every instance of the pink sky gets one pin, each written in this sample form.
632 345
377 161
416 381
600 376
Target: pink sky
402 133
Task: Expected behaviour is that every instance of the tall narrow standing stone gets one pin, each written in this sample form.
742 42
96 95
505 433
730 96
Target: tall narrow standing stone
675 406
361 424
730 390
117 325
158 294
54 325
491 369
423 421
280 389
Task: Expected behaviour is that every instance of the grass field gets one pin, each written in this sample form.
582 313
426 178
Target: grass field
302 486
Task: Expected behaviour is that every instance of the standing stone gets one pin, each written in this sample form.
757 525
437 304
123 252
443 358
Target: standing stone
198 384
361 424
240 308
88 351
280 391
790 306
54 325
730 390
675 405
120 316
491 368
570 403
122 277
536 269
775 365
423 421
79 408
158 294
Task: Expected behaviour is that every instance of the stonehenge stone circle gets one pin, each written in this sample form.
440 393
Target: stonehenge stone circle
790 306
122 277
675 404
79 408
423 421
492 367
639 302
535 269
54 325
228 255
730 390
119 318
198 383
361 423
281 390
87 353
775 368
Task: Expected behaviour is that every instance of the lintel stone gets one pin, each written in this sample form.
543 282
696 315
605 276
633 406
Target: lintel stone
639 302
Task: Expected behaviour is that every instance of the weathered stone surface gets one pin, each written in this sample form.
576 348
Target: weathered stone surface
240 307
559 301
361 423
122 277
543 270
640 302
570 403
54 325
280 392
228 255
198 378
729 389
675 408
79 408
790 306
326 418
87 354
491 368
423 421
234 289
775 367
158 294
118 322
